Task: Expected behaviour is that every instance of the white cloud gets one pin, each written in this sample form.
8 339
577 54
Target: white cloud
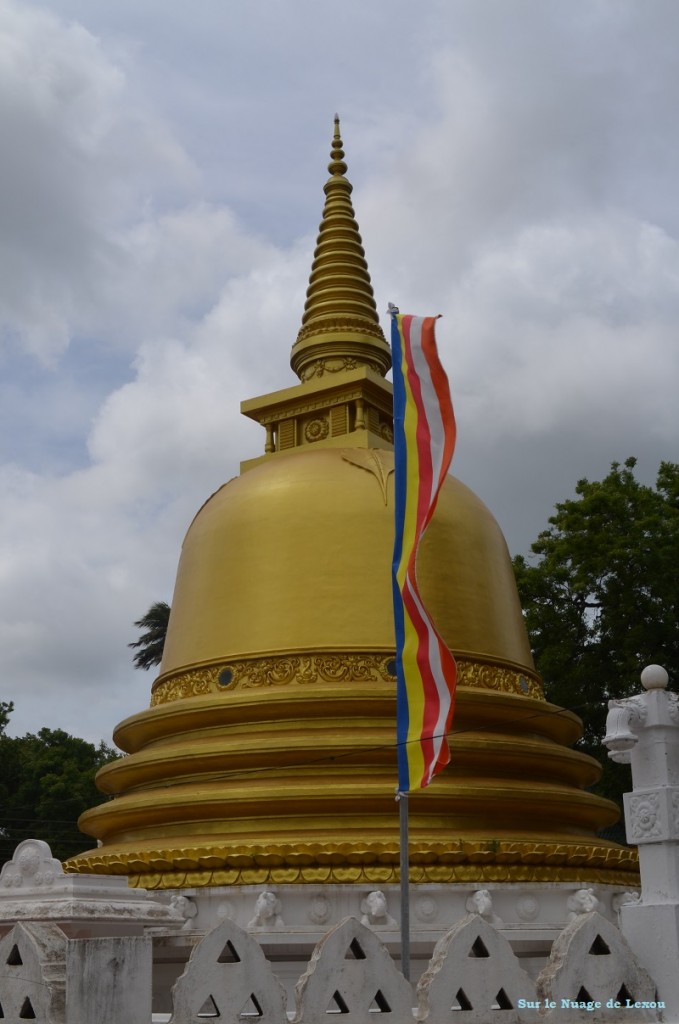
79 155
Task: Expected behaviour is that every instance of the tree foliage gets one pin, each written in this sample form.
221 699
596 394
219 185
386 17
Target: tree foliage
152 641
6 709
46 782
601 600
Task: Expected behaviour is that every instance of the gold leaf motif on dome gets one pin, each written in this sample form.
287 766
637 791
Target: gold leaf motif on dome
354 862
374 461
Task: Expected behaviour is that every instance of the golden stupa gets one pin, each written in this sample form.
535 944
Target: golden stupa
267 755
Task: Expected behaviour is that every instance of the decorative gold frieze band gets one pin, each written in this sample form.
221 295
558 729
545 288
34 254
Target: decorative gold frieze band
318 863
284 670
334 324
485 676
337 364
275 671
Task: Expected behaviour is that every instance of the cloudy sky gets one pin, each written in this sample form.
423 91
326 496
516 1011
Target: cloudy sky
515 167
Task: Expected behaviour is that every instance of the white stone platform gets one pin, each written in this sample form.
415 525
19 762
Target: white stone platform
34 887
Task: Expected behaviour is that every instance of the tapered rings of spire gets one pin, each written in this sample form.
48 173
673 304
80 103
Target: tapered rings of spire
340 324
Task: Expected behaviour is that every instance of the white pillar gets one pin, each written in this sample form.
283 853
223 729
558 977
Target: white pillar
644 731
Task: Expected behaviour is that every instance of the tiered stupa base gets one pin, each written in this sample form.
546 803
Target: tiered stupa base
290 800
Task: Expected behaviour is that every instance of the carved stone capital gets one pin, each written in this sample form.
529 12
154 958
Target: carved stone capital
635 707
624 718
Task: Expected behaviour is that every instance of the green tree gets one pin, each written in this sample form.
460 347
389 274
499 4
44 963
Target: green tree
6 709
152 641
46 782
601 597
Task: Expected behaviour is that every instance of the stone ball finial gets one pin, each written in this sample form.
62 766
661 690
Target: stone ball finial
654 677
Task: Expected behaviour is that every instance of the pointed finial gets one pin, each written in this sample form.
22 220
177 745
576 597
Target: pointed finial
340 326
337 164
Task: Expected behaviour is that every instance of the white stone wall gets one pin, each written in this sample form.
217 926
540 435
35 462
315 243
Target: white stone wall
473 978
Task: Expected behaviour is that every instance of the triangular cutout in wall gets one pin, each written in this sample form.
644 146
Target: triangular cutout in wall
478 948
27 1011
461 1001
624 994
228 955
502 1001
599 948
337 1004
355 951
379 1003
14 958
209 1010
251 1007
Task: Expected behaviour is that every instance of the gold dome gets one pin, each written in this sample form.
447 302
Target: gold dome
268 753
310 570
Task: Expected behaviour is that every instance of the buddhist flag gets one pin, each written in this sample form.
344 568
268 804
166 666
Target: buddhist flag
424 439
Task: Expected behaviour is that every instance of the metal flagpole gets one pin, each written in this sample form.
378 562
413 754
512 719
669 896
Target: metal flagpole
424 439
405 888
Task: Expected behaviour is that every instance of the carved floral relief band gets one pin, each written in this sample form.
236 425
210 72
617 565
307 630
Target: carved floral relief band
293 670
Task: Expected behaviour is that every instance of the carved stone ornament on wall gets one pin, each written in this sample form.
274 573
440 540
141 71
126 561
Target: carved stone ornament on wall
674 811
328 668
645 816
673 706
32 866
584 901
652 815
527 908
619 899
319 909
426 908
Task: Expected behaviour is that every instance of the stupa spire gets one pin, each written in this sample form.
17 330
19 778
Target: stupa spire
340 326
